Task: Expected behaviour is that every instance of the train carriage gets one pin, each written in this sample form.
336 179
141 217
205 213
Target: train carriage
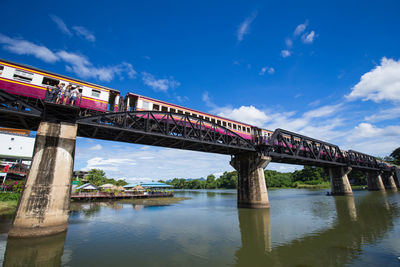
137 102
32 82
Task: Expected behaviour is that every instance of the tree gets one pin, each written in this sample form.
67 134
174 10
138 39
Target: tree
396 156
96 177
210 182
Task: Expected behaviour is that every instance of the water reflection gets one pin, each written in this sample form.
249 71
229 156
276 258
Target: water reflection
355 226
255 229
345 208
45 251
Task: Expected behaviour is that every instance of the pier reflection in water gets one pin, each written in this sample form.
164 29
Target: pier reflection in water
340 245
44 251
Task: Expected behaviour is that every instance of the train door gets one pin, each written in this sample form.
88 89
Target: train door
112 100
131 102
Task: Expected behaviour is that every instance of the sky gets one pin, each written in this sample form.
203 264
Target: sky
326 69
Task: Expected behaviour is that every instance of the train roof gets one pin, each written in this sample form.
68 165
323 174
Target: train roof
56 74
208 114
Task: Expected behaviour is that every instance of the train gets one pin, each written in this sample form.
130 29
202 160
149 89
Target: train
20 79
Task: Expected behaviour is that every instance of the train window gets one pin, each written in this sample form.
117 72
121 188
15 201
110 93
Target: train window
172 110
239 127
165 109
218 122
207 118
224 123
234 126
23 76
50 81
1 70
95 93
201 117
213 120
229 125
156 107
145 105
180 111
187 113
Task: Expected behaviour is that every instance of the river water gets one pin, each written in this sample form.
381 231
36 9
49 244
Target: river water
302 228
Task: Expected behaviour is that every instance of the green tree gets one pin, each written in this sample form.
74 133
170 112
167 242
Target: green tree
228 180
396 156
96 177
210 182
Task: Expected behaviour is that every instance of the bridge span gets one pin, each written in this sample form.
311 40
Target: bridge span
44 204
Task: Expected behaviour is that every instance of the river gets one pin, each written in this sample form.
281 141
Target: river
302 228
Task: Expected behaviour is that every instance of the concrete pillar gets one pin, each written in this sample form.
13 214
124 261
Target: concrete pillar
44 205
374 180
340 185
397 177
252 191
388 181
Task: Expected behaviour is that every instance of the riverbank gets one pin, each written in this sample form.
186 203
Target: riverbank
8 207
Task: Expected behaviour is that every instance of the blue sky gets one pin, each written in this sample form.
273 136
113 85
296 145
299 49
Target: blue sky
327 70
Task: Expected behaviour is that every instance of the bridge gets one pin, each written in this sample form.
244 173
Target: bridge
44 204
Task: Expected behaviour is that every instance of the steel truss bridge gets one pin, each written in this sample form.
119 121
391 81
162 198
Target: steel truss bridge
180 131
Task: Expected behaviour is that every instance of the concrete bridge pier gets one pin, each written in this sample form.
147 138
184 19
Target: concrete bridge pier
44 205
340 185
388 181
252 190
397 177
374 181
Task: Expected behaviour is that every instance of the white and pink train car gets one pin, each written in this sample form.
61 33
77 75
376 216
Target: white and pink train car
28 81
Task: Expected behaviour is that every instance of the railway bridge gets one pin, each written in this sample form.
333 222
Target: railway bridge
44 204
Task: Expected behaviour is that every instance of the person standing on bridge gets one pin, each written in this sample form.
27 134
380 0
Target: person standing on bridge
67 93
60 93
74 95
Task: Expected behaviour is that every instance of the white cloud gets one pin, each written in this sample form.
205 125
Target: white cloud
385 114
266 69
82 67
321 123
182 99
110 164
380 83
85 33
207 100
300 29
61 25
370 139
136 164
23 47
285 53
246 114
308 38
289 42
159 84
78 64
244 27
96 147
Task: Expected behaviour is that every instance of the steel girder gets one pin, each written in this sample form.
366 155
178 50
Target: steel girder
164 129
20 111
288 147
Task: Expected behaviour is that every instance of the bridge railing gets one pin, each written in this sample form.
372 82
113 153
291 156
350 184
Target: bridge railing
290 145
